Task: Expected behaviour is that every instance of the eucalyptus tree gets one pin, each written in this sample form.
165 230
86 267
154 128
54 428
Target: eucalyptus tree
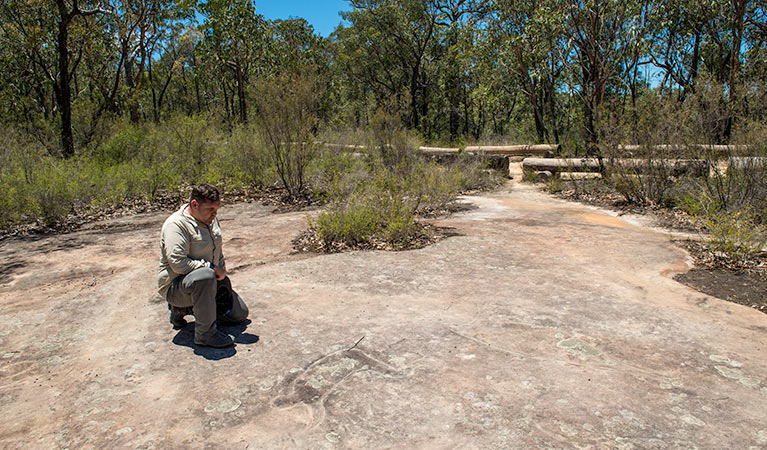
495 88
293 44
291 94
677 34
529 43
142 29
234 37
754 72
712 37
604 35
52 34
176 59
387 46
28 57
458 20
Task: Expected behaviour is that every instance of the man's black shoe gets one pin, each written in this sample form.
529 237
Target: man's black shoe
178 324
227 322
218 340
177 317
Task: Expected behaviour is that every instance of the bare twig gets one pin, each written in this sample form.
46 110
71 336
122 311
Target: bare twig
357 343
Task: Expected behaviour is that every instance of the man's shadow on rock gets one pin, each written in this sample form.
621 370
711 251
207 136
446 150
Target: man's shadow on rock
185 338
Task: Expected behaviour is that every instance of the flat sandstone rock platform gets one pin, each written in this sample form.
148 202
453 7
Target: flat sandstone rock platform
538 324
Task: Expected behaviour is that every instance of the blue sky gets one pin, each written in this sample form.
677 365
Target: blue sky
322 14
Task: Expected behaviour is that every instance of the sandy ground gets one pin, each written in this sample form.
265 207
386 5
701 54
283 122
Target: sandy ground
539 323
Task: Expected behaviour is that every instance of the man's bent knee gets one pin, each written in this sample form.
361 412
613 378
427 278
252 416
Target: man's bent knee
199 278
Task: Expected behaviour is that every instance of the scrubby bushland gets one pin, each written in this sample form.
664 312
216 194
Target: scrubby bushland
376 195
143 162
728 201
135 161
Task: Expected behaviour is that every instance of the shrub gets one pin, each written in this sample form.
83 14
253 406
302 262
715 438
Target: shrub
530 176
348 225
389 144
375 194
365 220
287 110
336 174
735 233
554 185
134 162
241 160
435 186
474 174
124 144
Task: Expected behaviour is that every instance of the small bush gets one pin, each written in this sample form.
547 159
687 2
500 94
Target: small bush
554 185
378 208
366 220
474 174
135 162
241 160
124 144
348 225
288 111
735 233
434 186
336 174
390 144
529 176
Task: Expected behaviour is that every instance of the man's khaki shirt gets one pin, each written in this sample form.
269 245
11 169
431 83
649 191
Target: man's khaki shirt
185 245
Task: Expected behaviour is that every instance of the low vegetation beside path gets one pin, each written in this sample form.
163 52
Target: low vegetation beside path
372 198
724 209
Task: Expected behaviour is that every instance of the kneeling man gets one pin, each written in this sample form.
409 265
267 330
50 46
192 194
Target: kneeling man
192 276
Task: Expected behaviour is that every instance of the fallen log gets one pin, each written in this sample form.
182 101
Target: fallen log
672 167
502 150
343 146
669 167
748 162
721 150
557 165
439 150
495 162
576 176
515 150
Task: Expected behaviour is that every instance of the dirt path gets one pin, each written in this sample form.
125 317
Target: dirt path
541 323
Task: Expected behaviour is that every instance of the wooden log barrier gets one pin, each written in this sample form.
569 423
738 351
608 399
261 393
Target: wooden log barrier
503 150
670 167
495 162
674 167
515 150
711 150
748 162
557 165
439 150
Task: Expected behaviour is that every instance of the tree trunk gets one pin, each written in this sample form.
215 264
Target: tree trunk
737 38
196 75
226 100
591 133
63 89
133 113
162 93
551 101
155 108
241 92
695 61
414 96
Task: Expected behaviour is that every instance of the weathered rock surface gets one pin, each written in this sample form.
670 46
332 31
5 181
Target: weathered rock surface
540 324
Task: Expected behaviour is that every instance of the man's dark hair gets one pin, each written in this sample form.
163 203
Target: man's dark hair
205 193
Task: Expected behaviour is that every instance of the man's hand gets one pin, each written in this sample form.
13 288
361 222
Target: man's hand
220 273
